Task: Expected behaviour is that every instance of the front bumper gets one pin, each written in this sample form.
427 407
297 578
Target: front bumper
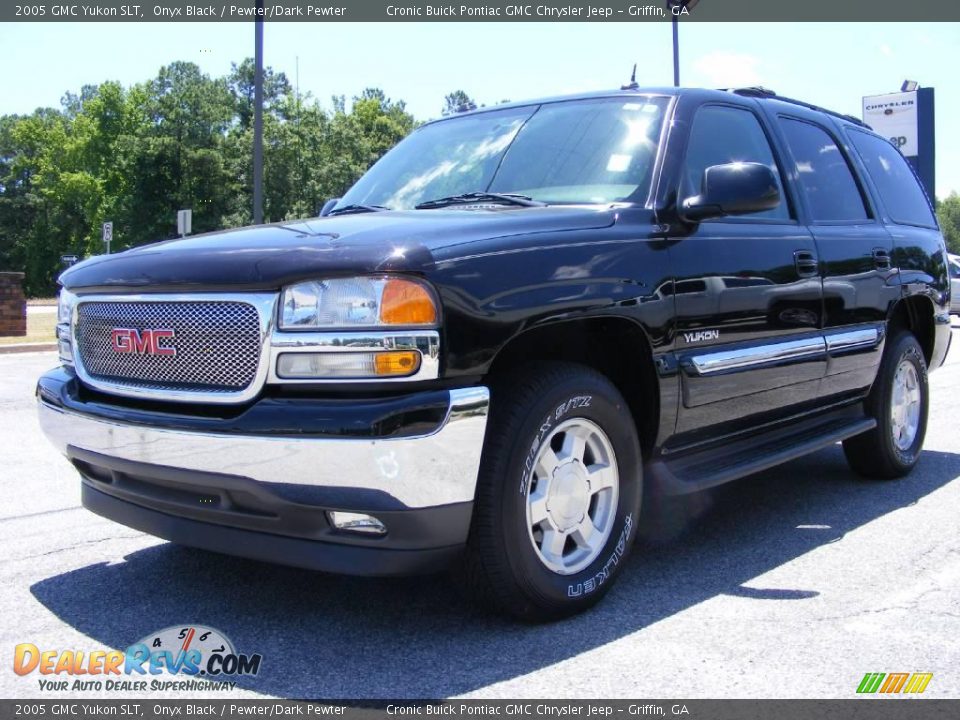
252 487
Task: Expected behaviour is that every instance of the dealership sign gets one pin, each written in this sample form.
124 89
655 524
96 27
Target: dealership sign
895 117
907 120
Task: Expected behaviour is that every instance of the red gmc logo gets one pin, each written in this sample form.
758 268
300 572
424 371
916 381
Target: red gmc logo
142 342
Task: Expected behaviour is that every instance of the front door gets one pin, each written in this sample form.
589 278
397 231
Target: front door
747 292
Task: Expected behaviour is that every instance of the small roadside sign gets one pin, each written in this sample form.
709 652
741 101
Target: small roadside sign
184 221
107 235
69 260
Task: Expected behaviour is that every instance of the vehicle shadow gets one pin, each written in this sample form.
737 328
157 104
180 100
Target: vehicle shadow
325 636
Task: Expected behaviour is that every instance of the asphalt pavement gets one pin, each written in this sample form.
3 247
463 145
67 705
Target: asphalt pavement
791 583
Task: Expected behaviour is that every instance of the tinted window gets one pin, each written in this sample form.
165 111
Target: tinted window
899 190
690 286
722 135
827 181
955 270
597 151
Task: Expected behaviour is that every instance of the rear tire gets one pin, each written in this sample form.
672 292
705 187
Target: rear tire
558 496
899 401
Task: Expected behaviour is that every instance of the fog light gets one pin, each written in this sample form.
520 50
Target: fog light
301 366
356 522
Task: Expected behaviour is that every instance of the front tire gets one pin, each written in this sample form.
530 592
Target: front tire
899 401
558 495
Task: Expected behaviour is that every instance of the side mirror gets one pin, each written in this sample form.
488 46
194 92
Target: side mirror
732 189
328 206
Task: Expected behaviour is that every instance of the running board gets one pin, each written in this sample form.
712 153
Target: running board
695 471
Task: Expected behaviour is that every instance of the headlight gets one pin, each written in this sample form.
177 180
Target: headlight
65 304
359 302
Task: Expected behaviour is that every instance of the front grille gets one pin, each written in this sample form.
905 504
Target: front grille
217 345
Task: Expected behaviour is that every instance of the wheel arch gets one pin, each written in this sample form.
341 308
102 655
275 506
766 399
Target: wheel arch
915 313
614 346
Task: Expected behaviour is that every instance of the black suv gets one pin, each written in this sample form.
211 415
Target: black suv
520 323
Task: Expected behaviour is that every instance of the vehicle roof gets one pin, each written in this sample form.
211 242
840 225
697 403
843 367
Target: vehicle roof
757 93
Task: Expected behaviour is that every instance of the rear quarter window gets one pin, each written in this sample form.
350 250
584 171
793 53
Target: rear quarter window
822 171
896 183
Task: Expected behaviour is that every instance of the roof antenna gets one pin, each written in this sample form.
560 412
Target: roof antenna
633 80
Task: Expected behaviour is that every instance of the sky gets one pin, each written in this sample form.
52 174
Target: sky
832 65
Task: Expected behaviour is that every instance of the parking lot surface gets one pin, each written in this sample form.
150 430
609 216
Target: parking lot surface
791 583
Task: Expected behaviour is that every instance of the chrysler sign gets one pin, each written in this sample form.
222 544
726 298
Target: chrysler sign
895 117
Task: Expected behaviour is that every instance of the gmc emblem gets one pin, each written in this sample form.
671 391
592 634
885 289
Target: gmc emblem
142 342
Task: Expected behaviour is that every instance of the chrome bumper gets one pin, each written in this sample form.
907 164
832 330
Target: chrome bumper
425 471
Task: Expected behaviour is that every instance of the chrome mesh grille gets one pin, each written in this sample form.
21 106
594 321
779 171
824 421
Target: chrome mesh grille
217 344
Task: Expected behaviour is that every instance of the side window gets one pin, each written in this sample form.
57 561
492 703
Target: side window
899 190
955 270
722 134
823 172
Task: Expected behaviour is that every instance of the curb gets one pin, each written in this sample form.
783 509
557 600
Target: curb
27 347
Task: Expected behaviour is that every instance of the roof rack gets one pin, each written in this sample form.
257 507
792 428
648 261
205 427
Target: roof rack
762 92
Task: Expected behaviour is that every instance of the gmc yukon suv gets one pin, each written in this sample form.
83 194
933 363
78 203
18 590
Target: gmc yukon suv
517 325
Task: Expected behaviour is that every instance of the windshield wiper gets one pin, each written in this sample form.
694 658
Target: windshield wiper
473 197
348 209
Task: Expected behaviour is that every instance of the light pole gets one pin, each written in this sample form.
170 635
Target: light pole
676 8
258 116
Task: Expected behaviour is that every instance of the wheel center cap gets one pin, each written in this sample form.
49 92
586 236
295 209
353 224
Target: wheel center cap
569 496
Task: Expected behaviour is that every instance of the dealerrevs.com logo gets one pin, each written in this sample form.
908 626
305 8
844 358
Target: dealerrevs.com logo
202 657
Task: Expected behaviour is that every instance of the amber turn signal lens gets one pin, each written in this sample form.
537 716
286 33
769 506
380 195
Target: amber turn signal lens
393 364
406 303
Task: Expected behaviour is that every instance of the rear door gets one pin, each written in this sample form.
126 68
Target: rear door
747 291
860 282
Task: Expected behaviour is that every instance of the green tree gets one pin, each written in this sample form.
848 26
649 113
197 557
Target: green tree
177 160
360 137
948 214
276 87
456 102
182 139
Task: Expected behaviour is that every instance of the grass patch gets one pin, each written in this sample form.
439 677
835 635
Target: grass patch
41 328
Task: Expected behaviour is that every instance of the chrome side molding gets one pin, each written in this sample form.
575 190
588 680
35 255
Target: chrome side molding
856 339
832 342
721 361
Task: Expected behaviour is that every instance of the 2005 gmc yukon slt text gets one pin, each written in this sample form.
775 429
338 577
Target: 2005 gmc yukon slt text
515 326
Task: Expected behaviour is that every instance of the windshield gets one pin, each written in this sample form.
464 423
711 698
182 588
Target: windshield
579 151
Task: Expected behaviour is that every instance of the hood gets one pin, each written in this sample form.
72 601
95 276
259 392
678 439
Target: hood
267 256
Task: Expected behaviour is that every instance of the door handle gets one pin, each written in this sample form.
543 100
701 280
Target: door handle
881 258
806 263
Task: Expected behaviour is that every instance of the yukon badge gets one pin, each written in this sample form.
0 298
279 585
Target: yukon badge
701 336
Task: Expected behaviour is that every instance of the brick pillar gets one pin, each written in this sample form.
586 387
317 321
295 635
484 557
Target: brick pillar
13 305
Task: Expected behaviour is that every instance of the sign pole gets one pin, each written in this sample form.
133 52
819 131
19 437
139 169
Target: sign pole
258 117
676 51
